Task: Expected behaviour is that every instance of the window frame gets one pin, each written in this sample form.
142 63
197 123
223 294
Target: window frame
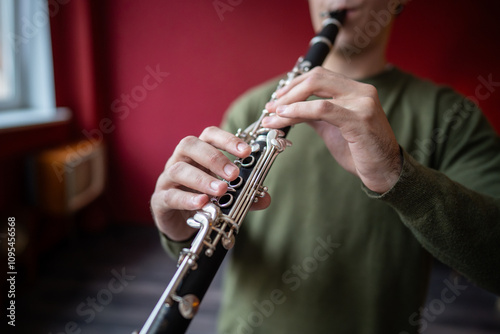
34 102
9 63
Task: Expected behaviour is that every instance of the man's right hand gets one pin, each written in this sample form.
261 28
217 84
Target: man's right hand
192 175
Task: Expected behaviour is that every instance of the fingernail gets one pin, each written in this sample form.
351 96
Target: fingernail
282 109
230 169
268 120
242 147
196 200
215 185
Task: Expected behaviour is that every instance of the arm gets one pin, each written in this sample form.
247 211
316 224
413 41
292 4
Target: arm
458 226
455 212
455 217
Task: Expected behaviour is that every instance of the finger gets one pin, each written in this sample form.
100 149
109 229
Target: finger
319 82
172 207
317 110
314 79
177 199
193 178
192 149
225 141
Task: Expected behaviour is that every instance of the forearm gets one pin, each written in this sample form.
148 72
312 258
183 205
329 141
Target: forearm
456 225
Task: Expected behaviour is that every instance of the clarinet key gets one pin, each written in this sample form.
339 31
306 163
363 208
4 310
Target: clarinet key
189 305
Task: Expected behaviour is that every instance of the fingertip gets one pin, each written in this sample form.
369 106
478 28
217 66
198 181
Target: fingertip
270 121
269 105
231 172
280 92
266 121
198 201
282 110
243 148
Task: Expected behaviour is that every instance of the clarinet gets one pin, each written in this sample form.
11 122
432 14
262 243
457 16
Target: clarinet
219 221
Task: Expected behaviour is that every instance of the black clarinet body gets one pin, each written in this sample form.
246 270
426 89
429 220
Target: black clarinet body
219 221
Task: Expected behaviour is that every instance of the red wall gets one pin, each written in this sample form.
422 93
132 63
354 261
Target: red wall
211 59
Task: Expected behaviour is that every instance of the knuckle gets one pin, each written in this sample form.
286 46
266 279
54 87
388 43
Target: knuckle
316 75
369 90
155 199
366 116
169 198
316 70
323 107
208 132
186 142
215 157
160 201
313 81
370 103
198 179
173 171
310 80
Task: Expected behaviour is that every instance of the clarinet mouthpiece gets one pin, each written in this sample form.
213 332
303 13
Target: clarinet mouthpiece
338 14
335 14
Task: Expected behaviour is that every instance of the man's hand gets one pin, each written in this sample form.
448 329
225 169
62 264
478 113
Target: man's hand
191 177
350 120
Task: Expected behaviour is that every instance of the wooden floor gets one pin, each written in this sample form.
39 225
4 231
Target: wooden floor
110 283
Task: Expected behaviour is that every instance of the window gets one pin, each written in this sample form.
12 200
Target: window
7 58
26 73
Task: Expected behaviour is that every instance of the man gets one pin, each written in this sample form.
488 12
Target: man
358 207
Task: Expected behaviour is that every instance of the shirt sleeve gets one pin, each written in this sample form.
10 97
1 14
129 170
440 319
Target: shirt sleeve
174 248
454 212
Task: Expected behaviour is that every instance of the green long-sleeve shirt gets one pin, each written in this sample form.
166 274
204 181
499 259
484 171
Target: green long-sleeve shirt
330 256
